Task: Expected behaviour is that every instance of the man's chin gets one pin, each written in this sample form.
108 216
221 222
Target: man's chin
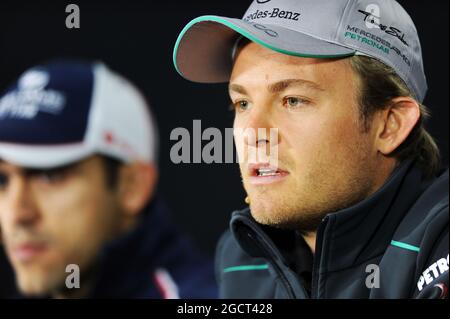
268 213
37 284
283 216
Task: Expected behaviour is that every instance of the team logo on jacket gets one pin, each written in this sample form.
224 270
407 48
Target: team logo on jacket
432 273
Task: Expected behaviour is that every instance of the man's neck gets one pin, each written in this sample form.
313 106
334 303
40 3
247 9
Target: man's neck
382 177
310 239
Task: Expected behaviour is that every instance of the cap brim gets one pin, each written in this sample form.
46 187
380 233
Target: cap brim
203 51
42 157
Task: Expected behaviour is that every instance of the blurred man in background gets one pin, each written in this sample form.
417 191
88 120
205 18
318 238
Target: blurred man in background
78 174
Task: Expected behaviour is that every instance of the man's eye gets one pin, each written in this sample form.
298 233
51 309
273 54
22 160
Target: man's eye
52 176
240 106
3 181
293 102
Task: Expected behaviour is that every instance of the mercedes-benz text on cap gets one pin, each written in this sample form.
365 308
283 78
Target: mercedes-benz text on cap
380 29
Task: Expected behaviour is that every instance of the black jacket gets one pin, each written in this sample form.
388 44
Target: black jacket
156 260
393 244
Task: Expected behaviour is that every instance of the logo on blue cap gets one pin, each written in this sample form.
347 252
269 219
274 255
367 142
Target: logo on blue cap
48 105
30 97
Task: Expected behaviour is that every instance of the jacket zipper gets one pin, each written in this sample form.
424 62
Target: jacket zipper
278 270
317 258
285 281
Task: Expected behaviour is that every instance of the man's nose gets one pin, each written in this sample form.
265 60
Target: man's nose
260 130
21 205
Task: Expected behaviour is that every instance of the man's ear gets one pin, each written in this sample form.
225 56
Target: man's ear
396 123
137 182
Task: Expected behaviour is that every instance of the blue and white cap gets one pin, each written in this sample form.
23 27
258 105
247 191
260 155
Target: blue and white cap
380 29
63 111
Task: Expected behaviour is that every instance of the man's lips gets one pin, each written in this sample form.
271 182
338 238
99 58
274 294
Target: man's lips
27 251
262 174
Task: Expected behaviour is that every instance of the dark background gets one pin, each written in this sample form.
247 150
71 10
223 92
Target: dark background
136 39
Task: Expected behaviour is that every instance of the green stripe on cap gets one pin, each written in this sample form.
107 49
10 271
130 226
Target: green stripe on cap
246 267
245 34
405 246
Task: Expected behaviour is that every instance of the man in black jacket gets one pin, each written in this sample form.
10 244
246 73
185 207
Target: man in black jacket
350 201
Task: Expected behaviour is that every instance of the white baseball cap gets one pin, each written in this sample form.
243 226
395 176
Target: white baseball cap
66 110
380 29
